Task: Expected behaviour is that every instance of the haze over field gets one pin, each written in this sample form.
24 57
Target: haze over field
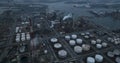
93 1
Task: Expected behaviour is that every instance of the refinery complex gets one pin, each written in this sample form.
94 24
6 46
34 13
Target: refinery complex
33 33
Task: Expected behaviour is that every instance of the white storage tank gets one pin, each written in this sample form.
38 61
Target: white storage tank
86 36
18 34
17 29
83 34
23 34
117 59
57 46
86 47
87 33
78 49
98 40
99 58
104 44
27 22
28 36
45 51
67 37
74 36
93 42
18 39
23 38
79 41
22 23
90 60
99 46
62 53
54 40
116 52
110 54
22 49
38 25
72 42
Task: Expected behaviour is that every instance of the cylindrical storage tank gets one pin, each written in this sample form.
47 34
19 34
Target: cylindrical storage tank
116 52
88 33
27 22
18 34
98 40
116 42
112 40
38 25
104 44
27 34
45 51
18 39
72 42
92 35
23 23
110 54
99 58
78 49
109 39
93 42
86 36
79 41
86 47
23 39
23 34
28 37
17 29
22 49
90 60
82 34
62 53
74 36
117 59
67 37
99 46
54 40
57 46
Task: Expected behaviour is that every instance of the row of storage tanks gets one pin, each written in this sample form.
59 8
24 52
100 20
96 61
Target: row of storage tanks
22 36
77 49
97 58
77 43
62 53
114 55
75 39
114 40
